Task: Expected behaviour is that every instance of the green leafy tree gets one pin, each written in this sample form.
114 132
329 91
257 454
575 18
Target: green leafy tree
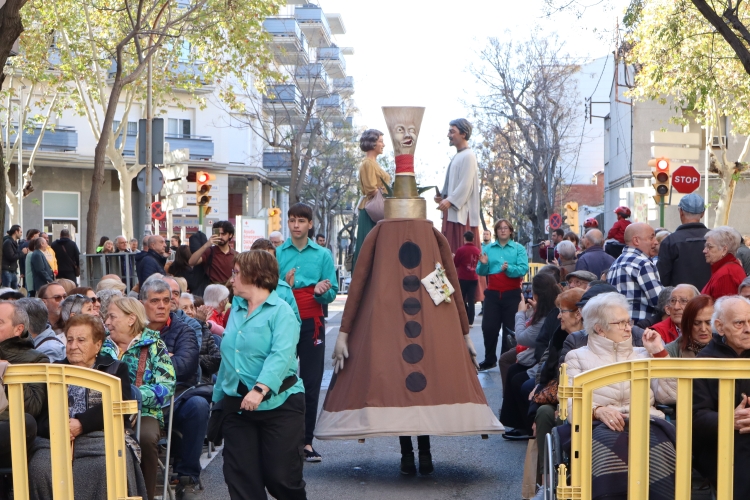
679 54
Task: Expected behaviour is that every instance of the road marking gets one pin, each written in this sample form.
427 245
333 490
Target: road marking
204 458
326 380
328 330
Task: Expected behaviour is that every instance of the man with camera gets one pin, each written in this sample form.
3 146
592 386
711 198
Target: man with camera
216 255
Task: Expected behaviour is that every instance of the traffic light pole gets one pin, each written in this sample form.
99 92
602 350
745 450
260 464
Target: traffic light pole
149 145
661 212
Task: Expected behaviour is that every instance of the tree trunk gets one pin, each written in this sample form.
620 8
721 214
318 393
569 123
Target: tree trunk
100 155
726 195
126 201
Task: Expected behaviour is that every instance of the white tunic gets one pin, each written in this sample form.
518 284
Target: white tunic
461 188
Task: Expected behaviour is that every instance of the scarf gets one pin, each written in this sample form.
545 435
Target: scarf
695 346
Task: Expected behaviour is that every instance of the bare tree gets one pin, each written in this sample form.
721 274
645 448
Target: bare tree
528 102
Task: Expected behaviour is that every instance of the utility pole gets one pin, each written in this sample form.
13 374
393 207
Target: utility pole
149 145
19 176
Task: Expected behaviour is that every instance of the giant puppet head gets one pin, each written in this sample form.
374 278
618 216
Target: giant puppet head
403 125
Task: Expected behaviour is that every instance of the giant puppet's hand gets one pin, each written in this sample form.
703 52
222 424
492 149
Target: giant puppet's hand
340 351
472 351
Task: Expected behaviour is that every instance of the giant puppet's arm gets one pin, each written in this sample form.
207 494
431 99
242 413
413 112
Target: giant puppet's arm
361 275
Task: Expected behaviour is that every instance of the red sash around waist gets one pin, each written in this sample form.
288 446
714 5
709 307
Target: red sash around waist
309 308
500 282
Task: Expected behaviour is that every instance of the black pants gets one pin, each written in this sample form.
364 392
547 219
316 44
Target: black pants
263 450
423 442
311 366
469 291
499 310
515 409
5 456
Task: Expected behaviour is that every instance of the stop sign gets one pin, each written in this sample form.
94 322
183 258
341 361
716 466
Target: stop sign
686 179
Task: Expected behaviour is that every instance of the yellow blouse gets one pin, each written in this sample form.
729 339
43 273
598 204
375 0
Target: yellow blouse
371 177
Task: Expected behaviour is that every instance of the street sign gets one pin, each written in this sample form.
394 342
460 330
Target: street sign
686 179
555 221
172 187
175 171
157 180
173 202
546 225
156 211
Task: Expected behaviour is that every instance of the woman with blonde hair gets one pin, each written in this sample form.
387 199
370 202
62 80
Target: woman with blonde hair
129 340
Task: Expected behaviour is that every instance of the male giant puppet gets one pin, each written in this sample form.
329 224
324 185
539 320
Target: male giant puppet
404 365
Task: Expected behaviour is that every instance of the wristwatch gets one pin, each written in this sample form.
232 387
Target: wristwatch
257 388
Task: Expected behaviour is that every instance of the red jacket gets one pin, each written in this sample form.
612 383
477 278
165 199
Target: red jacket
726 276
667 329
465 260
617 231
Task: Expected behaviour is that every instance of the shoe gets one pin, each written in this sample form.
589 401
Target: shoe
517 435
484 365
539 494
425 464
187 489
407 465
312 456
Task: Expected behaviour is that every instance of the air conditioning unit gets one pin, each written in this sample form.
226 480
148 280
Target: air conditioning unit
718 141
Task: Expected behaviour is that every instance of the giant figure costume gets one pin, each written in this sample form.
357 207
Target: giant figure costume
408 370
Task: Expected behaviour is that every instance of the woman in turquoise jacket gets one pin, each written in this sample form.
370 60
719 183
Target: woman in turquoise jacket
262 399
505 263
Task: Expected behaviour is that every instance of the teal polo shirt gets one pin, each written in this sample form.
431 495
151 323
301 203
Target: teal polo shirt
313 264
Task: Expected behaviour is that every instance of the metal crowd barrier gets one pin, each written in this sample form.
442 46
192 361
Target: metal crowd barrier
533 269
57 378
96 265
639 373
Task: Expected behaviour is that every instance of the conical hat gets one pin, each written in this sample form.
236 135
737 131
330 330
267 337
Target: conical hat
403 124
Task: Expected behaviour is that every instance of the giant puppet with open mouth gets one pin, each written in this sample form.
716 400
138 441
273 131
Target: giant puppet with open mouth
405 363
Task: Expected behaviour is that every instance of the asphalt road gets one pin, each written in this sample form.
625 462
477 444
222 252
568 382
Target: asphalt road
465 467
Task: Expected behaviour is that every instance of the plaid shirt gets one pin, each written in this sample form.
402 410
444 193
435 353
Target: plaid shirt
636 277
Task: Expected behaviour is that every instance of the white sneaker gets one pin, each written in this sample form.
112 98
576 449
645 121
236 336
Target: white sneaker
539 494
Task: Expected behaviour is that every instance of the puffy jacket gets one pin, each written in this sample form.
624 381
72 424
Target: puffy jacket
17 350
183 346
600 351
210 356
617 231
11 254
681 258
158 377
148 263
726 276
192 323
595 260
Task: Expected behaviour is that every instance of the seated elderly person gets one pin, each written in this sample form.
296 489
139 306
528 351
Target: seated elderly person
105 297
210 355
217 297
41 331
16 347
90 293
567 257
191 406
129 340
744 288
731 320
606 319
85 335
726 271
669 329
696 332
74 305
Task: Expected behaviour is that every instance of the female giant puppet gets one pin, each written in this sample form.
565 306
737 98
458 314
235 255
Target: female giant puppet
403 365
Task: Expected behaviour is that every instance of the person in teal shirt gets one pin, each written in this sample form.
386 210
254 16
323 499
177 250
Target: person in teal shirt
284 291
308 268
258 373
505 263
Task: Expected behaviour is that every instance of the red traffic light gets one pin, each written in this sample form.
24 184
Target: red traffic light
202 177
662 164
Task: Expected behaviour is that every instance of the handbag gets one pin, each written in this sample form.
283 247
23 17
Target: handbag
375 207
547 395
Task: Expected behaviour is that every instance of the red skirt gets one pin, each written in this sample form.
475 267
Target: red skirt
454 233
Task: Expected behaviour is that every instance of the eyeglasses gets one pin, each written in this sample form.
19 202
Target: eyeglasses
682 302
56 298
95 299
622 324
503 228
235 272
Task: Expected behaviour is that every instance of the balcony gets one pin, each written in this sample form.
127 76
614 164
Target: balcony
331 107
344 123
61 140
201 146
313 80
283 100
314 25
344 86
277 160
288 43
333 61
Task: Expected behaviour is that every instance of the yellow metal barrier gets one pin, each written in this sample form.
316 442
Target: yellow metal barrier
639 373
533 269
57 378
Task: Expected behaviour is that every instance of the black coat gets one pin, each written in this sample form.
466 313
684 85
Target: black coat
681 258
210 356
17 350
93 418
11 254
67 254
706 421
148 263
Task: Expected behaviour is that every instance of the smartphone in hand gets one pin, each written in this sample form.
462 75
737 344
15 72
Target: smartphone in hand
550 254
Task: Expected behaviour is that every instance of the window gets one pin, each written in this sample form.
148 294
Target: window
60 207
132 127
178 128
